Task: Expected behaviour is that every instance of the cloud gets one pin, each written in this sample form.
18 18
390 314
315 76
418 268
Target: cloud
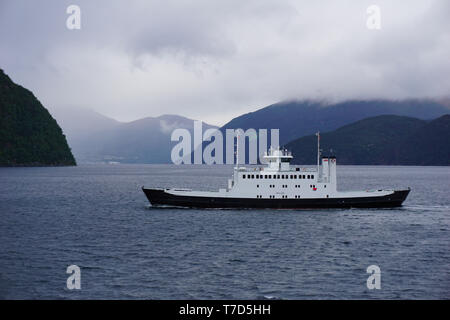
213 60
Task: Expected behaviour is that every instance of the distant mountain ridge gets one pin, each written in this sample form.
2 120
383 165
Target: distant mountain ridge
145 140
381 140
296 119
97 138
29 136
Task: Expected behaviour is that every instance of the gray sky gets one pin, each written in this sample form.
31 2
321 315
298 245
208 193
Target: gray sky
214 60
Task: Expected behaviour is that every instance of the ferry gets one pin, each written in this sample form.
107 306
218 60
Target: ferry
280 185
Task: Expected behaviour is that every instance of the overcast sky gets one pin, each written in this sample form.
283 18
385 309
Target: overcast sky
214 60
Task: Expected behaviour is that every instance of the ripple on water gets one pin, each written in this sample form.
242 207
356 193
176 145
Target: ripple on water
96 217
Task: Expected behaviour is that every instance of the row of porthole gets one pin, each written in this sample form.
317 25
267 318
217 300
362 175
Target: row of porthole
273 197
282 197
277 176
296 186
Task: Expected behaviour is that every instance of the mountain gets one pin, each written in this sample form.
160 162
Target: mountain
78 123
296 119
381 140
96 138
429 145
82 127
29 136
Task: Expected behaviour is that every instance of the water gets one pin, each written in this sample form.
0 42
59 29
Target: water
96 216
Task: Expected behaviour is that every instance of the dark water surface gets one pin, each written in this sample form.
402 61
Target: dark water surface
96 216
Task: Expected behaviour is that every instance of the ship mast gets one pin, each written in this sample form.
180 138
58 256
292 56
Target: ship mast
237 151
318 152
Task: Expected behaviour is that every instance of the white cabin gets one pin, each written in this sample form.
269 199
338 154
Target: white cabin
281 180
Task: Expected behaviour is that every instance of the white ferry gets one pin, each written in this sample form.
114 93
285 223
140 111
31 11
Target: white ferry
280 186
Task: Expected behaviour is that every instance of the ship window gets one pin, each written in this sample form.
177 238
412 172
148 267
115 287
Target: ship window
295 176
309 177
257 185
243 176
270 176
278 176
327 196
312 176
325 186
297 169
253 176
282 176
304 177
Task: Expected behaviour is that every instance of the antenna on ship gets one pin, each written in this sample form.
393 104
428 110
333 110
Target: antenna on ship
237 151
318 151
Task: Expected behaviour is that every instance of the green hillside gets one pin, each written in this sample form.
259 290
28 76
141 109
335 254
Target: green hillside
381 140
29 136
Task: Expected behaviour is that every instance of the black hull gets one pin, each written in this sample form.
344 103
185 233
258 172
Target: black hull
158 197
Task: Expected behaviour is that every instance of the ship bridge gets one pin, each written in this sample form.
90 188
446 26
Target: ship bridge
278 160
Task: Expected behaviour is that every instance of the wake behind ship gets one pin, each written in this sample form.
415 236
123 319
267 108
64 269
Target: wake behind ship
279 186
